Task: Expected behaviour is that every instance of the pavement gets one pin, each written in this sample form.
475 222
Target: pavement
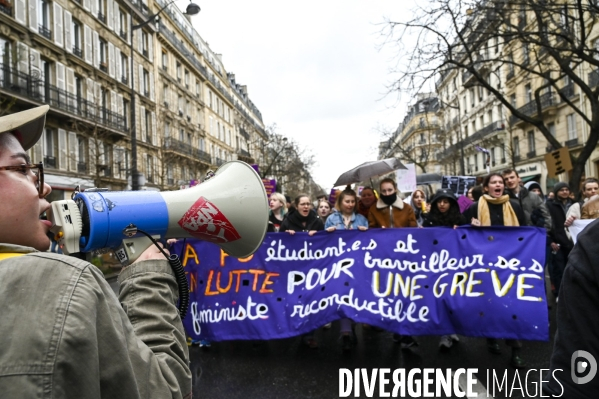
286 368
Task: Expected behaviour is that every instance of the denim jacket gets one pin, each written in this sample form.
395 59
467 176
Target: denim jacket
336 220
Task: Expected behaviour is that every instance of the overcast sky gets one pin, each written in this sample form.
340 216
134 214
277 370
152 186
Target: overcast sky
315 68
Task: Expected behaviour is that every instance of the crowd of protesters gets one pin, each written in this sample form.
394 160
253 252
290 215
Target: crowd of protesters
502 199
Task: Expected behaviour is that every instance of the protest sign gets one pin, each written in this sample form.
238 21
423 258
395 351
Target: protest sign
485 282
406 178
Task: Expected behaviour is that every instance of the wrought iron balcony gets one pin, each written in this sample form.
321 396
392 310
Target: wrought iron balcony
572 142
124 80
102 17
244 134
45 32
103 67
108 172
594 78
25 85
517 158
123 35
530 109
49 161
82 167
531 154
6 9
218 161
145 53
183 148
243 152
567 91
77 51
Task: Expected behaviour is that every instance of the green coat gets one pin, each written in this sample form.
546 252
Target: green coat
64 333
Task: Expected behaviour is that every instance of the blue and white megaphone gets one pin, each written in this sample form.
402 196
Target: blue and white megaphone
230 209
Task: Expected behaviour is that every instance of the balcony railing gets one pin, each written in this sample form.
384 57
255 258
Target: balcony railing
123 35
45 32
82 167
50 161
25 85
218 161
243 152
183 148
141 7
594 78
531 154
103 67
77 51
572 142
244 134
567 91
102 17
517 158
530 109
6 9
124 80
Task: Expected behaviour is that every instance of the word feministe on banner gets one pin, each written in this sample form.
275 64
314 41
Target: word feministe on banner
410 281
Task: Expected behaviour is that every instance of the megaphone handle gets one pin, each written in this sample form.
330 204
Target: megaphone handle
177 267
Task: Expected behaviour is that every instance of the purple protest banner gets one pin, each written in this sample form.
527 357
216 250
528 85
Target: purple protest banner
482 282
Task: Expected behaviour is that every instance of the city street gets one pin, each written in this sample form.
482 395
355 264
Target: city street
288 369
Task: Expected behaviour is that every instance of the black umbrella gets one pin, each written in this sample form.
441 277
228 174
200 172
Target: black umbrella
368 170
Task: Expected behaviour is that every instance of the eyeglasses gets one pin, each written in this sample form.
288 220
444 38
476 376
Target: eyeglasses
36 169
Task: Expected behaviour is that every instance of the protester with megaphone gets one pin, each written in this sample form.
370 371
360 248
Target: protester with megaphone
68 335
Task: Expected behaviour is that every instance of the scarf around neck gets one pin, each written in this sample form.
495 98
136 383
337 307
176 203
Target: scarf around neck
509 216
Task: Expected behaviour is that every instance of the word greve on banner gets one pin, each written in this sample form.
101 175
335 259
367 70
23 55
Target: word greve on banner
482 282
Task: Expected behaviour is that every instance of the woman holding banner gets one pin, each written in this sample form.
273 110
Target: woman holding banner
301 218
495 208
444 212
389 211
345 217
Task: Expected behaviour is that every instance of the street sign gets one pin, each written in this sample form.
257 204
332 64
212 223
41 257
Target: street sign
558 162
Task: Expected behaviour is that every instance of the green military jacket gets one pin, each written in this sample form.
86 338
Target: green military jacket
64 333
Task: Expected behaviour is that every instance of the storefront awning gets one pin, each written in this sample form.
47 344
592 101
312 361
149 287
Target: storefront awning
526 179
66 182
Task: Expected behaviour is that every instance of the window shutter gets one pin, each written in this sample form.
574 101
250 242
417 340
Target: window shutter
35 70
73 151
138 118
61 83
133 79
58 32
113 106
86 4
94 8
68 22
115 17
152 86
62 149
111 63
118 69
150 48
96 46
142 120
89 48
119 103
140 45
21 11
90 96
72 100
109 7
33 24
141 80
154 136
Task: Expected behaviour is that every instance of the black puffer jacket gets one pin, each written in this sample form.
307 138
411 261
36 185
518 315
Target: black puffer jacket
294 221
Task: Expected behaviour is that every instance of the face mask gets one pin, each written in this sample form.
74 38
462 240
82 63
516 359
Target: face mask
389 199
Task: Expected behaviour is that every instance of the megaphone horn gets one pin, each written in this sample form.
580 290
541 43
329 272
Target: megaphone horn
230 210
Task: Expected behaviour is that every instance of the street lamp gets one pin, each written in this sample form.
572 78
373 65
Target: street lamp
192 9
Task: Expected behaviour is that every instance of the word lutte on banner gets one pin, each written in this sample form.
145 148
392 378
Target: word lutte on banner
481 282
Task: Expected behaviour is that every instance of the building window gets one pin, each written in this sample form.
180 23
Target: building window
187 79
516 146
179 71
571 119
122 24
146 83
76 38
103 55
531 141
124 68
102 10
197 87
148 122
525 54
167 129
527 93
150 169
182 135
513 100
126 113
145 44
43 9
165 95
5 62
164 60
551 128
49 147
202 144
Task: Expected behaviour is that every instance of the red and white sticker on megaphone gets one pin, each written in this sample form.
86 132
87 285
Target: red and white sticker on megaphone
205 221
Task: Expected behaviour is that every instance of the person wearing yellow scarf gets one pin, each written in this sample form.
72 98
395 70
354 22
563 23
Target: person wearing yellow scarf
495 208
